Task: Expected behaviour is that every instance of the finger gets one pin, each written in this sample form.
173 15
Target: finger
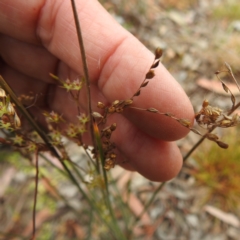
155 159
18 19
123 63
23 84
33 95
31 60
37 62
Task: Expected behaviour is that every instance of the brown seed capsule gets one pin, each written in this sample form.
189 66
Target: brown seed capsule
150 74
100 105
144 84
105 129
155 64
85 146
113 155
111 109
158 53
107 133
137 93
225 123
205 103
225 87
128 102
115 103
107 167
108 161
184 122
222 144
113 126
212 137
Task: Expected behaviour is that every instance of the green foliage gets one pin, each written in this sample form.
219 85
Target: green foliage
229 10
219 170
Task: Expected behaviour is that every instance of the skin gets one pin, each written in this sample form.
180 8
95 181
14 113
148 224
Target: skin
38 37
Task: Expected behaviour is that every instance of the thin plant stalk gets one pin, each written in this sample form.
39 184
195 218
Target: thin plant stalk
89 234
124 206
106 192
35 197
85 67
86 75
148 204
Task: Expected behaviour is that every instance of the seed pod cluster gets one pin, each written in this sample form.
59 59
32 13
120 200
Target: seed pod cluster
151 73
210 116
9 118
108 146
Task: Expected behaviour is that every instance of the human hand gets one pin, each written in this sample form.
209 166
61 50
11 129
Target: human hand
39 37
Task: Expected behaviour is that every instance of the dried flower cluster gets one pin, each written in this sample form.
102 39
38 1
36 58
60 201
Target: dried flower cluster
9 119
73 131
212 117
215 117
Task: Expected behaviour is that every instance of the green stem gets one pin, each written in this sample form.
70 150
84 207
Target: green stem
150 201
35 198
85 67
106 192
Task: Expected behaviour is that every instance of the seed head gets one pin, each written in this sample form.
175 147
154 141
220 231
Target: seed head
128 102
205 103
113 126
150 74
111 109
115 103
2 93
97 115
16 121
158 53
100 105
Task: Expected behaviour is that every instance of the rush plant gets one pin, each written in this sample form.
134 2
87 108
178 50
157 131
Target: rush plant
100 193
